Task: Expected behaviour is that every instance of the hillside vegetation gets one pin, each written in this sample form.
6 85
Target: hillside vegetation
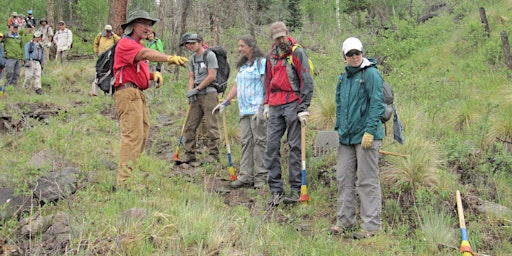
453 92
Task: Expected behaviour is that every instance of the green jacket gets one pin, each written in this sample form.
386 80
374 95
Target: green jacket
13 47
359 106
155 44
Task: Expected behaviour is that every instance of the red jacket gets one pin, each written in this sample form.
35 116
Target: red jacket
284 83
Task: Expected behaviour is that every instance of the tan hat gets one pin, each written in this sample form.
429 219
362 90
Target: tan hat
278 29
1 35
38 34
62 22
108 27
14 14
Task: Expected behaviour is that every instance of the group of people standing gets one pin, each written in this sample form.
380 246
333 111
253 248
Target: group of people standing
274 93
34 53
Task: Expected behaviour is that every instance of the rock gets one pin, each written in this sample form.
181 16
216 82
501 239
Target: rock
56 185
33 226
12 204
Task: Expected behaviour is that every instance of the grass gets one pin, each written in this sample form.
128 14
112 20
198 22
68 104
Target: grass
453 95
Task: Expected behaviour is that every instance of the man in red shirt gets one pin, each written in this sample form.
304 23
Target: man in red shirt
131 70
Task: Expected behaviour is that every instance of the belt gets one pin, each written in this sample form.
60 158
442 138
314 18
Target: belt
124 86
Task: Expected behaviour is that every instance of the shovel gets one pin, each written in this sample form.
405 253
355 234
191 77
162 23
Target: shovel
232 175
177 151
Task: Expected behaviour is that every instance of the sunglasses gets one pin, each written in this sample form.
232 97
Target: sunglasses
350 54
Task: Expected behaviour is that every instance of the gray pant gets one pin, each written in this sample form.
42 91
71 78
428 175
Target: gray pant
283 118
358 171
254 144
12 71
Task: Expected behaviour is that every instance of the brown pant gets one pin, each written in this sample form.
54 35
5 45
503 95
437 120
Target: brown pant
133 113
200 108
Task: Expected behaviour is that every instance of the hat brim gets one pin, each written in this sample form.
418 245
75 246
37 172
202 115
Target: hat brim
279 34
189 41
124 25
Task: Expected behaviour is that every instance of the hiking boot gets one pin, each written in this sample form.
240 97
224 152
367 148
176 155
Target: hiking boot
259 185
239 184
39 91
275 199
293 198
338 230
362 234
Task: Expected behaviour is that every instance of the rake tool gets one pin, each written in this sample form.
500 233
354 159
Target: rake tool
177 151
304 198
465 247
232 175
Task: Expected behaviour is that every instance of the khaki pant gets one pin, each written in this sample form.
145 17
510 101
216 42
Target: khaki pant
200 108
46 53
253 134
33 72
63 56
357 170
133 116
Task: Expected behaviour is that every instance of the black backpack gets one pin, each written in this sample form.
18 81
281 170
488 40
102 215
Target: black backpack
221 82
389 96
105 70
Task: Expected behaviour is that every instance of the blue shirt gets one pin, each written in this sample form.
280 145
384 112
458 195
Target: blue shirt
34 51
250 87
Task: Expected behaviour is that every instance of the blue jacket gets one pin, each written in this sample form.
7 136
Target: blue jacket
34 51
359 106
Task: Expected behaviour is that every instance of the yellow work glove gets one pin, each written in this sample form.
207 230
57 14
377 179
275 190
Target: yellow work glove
159 80
178 60
366 143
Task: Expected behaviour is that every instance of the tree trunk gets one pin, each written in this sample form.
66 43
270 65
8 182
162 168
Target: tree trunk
50 13
506 49
117 15
161 17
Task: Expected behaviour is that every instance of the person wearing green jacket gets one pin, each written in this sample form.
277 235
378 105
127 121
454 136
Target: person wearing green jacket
156 44
14 55
359 105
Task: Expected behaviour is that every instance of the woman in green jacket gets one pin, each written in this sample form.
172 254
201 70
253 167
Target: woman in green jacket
359 105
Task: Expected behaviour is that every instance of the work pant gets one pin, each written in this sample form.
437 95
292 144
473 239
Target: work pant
133 116
253 134
357 170
12 71
32 72
63 56
202 107
283 118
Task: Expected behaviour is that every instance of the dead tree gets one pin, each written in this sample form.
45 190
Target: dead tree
506 49
483 18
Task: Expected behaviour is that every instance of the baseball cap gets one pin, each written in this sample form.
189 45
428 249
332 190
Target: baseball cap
62 22
352 43
190 38
38 34
1 35
278 29
29 12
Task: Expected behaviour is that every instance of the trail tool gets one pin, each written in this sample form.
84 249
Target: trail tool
180 142
465 247
232 175
304 197
327 141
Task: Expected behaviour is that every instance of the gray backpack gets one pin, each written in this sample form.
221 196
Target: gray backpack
389 96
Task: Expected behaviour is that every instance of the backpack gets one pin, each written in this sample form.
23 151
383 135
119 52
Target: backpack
105 70
2 58
311 65
388 95
221 81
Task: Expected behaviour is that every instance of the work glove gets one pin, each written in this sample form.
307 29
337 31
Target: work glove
265 112
366 143
303 117
178 60
221 107
192 95
159 80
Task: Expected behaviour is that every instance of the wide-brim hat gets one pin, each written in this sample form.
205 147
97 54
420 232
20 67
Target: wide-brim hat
45 20
139 14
